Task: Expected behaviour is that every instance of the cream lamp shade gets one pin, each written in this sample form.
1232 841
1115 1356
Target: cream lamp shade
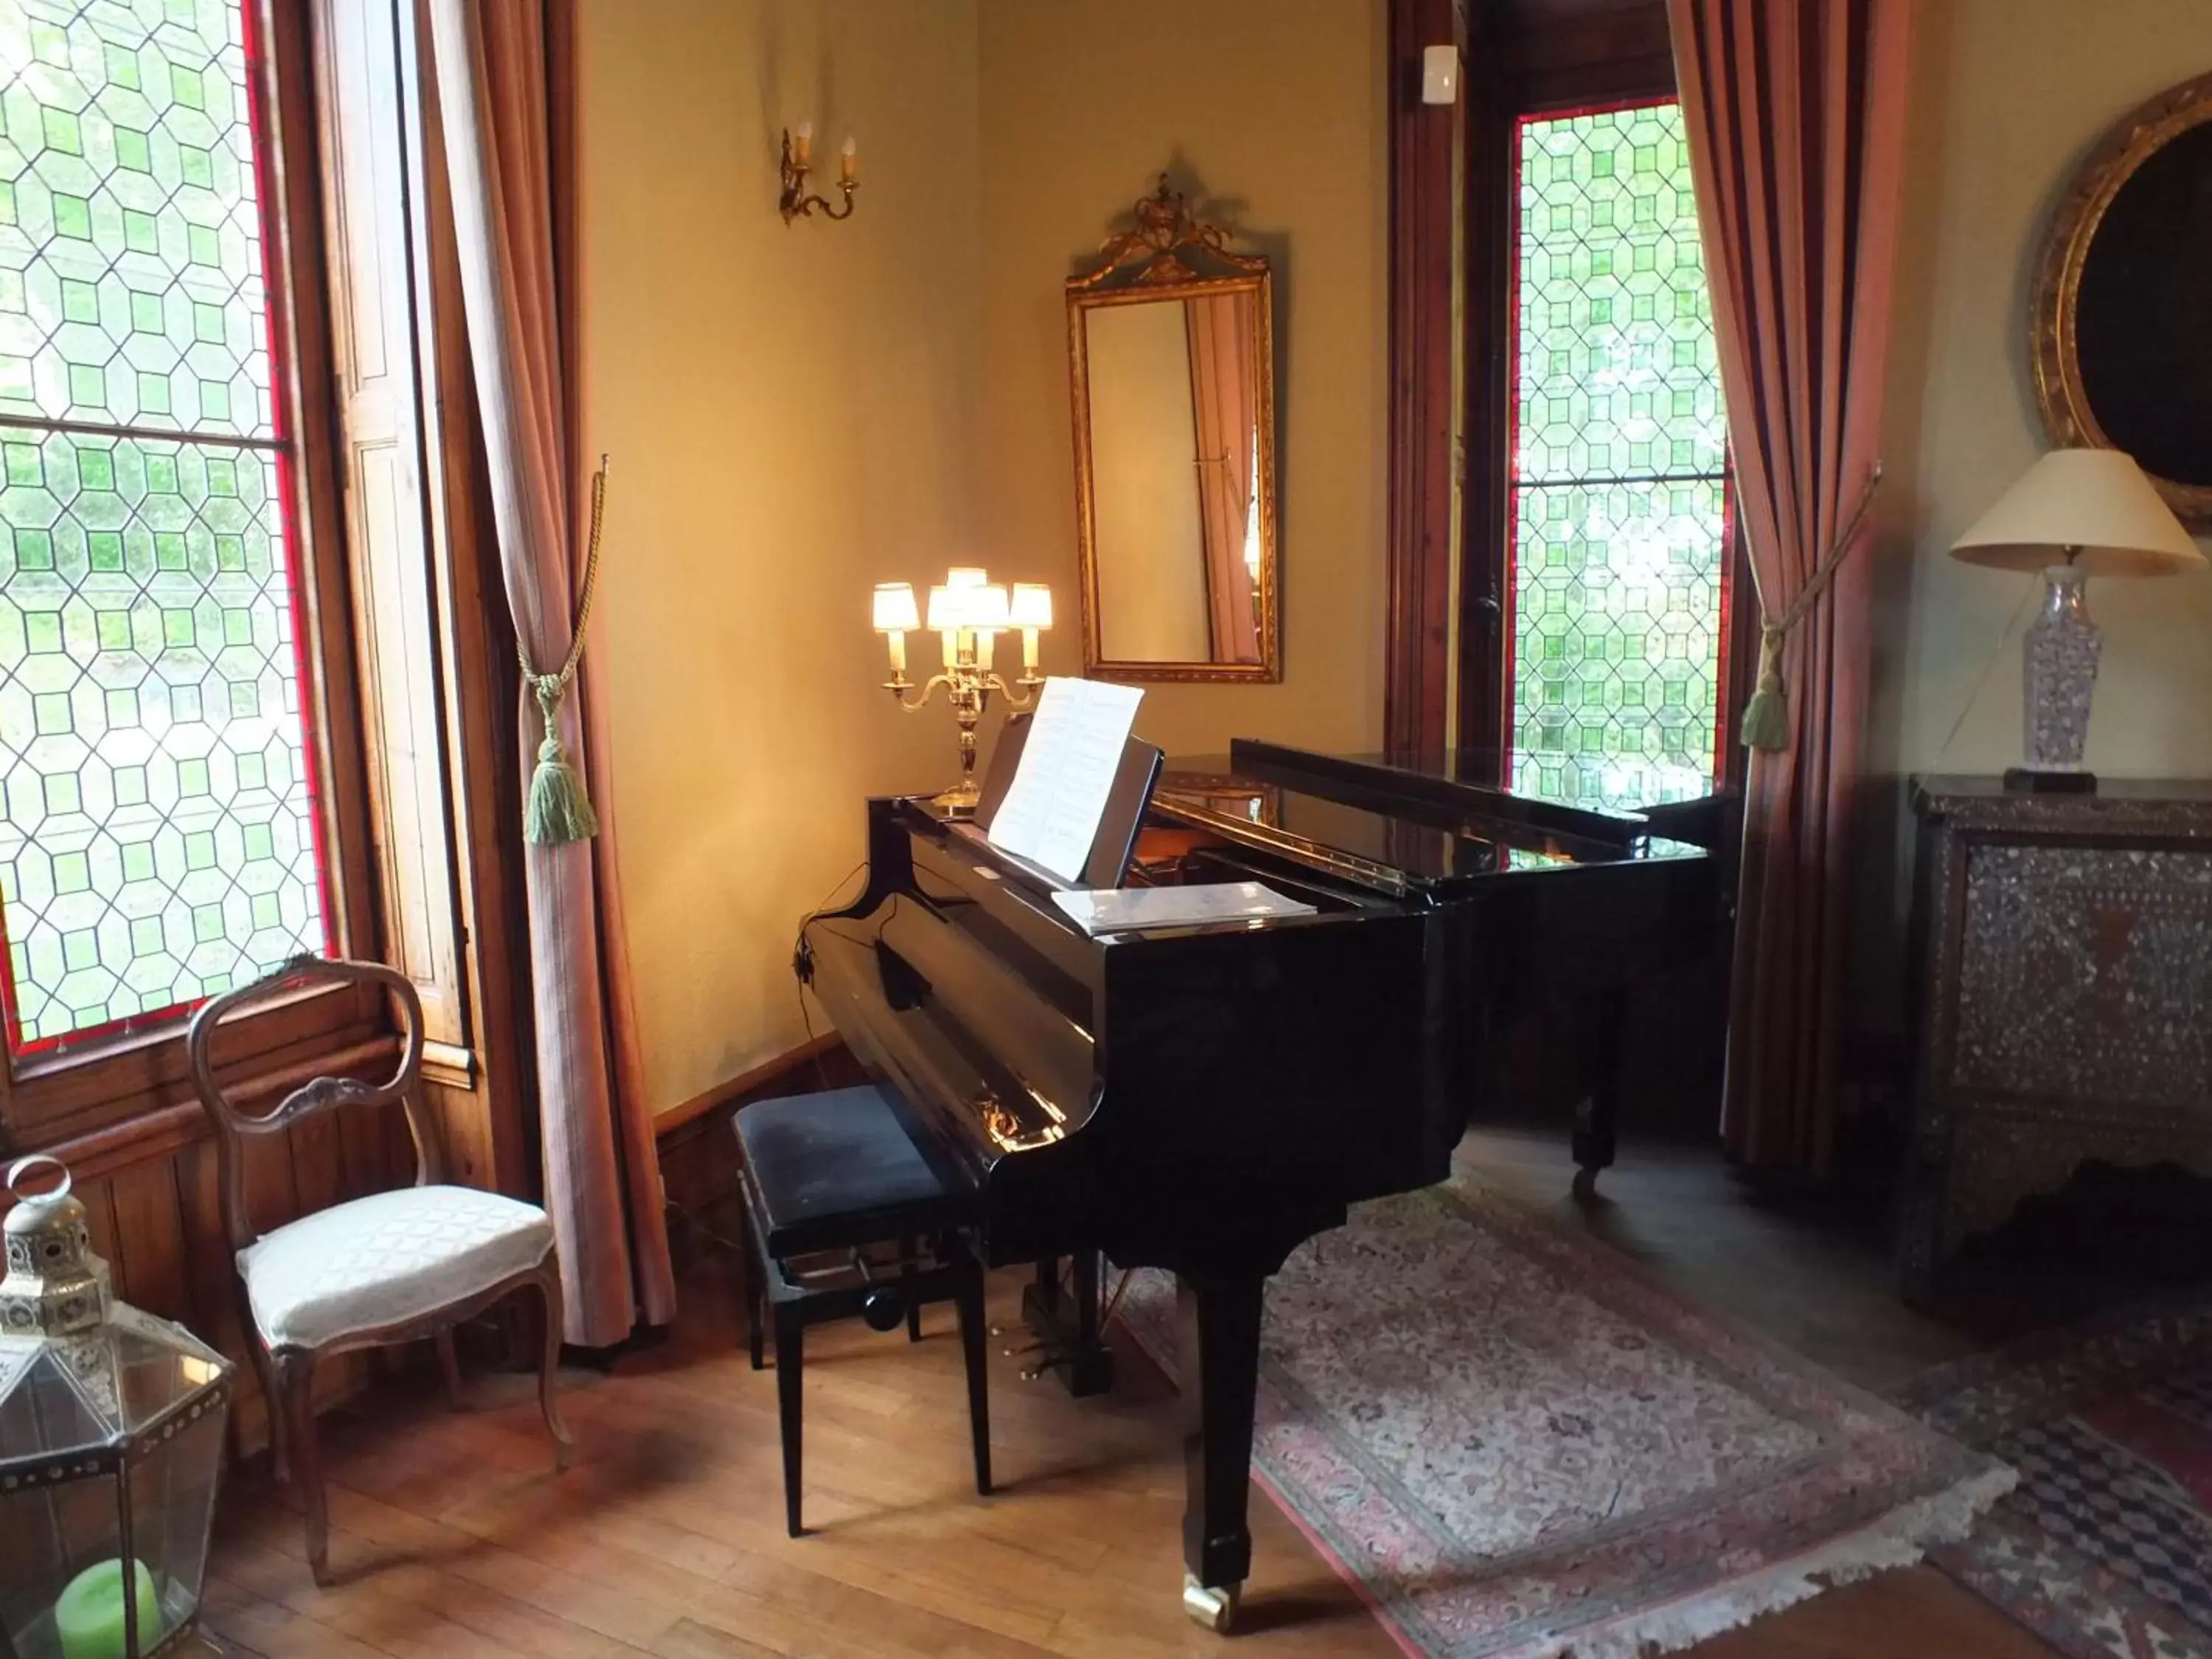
986 607
895 611
1032 606
2093 506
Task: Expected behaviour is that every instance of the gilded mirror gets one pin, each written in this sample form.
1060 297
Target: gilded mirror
1171 369
2122 324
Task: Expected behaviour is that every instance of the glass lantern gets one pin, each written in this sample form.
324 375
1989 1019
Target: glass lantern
111 1442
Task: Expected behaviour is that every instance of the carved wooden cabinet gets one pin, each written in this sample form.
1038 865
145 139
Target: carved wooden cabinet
2064 997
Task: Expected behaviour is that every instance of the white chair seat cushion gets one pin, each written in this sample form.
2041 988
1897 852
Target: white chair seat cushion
386 1258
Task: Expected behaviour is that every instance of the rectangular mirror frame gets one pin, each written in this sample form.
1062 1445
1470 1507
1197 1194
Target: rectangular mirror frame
1089 294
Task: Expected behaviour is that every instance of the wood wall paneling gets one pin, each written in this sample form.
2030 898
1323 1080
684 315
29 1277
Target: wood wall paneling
1424 235
372 323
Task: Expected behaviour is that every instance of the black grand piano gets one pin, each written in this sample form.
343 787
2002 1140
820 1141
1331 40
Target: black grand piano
1204 1099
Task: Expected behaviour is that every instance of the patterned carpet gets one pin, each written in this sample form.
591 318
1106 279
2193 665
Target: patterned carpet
1516 1444
2104 1548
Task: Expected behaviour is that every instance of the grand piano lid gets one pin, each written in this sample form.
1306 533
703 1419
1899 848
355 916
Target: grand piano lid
1367 820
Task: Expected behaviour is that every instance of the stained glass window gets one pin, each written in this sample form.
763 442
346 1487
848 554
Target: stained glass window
1619 585
156 819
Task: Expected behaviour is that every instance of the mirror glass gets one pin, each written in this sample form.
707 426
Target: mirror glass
1175 478
1171 356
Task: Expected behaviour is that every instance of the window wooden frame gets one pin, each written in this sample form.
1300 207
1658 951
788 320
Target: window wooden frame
87 1091
1519 57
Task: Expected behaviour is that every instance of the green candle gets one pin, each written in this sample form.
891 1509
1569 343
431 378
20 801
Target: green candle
89 1615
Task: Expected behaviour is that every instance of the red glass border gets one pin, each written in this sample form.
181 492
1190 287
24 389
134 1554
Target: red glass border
270 209
1510 583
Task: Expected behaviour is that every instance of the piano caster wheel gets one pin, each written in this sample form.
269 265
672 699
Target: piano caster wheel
1585 1187
1215 1608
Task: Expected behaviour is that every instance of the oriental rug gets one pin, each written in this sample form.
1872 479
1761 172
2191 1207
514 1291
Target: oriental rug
2104 1548
1516 1444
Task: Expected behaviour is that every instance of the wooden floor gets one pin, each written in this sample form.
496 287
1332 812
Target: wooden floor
453 1538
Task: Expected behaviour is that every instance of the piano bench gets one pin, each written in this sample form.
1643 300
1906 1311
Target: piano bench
831 1182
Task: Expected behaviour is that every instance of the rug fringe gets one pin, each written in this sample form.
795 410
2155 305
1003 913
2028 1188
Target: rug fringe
1900 1539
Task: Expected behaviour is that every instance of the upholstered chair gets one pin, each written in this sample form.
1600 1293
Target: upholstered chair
395 1267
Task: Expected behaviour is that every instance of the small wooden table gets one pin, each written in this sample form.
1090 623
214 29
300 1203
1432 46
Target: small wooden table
2064 959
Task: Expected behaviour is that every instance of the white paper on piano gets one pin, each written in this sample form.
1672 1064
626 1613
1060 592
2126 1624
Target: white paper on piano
1051 812
1131 910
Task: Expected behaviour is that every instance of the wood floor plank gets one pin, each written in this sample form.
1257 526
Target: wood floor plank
666 1536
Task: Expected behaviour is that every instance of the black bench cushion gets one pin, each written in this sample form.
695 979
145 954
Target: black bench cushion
838 1169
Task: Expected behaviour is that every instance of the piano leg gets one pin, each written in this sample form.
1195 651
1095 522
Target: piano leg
1218 1355
1600 1047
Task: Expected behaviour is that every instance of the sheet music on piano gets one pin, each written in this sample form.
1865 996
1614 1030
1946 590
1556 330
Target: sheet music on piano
1052 810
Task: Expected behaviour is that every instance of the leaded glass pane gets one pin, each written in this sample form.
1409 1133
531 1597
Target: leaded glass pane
131 277
1618 469
156 820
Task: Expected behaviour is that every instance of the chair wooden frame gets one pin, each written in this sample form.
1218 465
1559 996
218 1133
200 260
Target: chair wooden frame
287 1369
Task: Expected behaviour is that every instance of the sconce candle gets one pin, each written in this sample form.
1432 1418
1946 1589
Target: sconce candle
794 201
968 612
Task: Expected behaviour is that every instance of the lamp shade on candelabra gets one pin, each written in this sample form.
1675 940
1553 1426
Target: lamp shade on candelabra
1031 606
895 611
2090 508
986 607
111 1443
2075 512
947 612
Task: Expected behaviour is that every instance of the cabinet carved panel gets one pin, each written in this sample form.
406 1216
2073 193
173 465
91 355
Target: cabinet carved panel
2085 972
2063 980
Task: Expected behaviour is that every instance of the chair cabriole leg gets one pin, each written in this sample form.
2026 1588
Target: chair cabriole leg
294 1370
449 1365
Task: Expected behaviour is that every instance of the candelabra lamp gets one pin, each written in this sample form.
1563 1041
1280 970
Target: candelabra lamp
967 613
2074 513
798 161
111 1442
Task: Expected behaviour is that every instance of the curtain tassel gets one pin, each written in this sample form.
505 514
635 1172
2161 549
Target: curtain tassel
1765 723
558 809
1767 716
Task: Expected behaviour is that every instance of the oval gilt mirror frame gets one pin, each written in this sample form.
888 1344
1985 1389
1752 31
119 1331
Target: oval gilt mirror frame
2122 308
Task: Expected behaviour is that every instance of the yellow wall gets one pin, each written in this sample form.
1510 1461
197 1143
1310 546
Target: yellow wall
2009 96
789 412
795 414
1271 112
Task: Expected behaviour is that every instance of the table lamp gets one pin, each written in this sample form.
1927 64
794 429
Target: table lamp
2074 513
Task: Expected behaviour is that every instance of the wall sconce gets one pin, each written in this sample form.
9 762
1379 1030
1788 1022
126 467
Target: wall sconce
968 613
798 161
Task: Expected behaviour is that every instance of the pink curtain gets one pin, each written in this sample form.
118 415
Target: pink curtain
1222 393
504 111
1796 111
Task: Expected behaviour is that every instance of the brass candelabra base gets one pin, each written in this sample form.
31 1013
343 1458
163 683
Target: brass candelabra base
969 687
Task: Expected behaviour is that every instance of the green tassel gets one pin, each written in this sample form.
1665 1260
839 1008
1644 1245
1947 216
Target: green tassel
1766 719
1767 716
558 809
